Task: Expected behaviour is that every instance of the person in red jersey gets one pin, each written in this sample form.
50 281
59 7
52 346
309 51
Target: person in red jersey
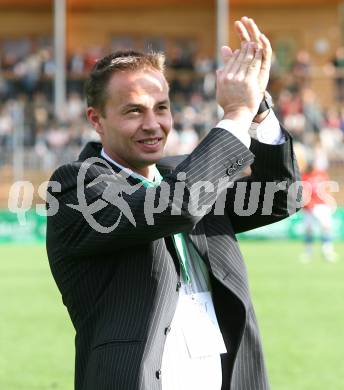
318 211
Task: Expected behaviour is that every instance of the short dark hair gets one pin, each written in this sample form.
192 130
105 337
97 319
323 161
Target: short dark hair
103 69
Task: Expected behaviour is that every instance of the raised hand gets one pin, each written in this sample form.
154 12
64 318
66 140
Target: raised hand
238 92
242 81
248 31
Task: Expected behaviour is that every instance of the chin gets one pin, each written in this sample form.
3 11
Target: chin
153 157
151 161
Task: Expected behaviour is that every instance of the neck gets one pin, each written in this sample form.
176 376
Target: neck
147 172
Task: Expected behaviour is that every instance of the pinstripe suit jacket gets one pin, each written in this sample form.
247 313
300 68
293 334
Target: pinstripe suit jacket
121 288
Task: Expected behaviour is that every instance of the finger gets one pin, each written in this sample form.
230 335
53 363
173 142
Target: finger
242 31
246 61
255 66
267 53
242 57
252 29
229 64
256 62
266 44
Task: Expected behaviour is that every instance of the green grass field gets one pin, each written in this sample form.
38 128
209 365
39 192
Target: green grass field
300 309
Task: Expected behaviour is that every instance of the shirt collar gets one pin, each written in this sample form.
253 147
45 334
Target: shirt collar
146 182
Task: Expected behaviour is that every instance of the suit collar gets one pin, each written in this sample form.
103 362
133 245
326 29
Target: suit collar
93 149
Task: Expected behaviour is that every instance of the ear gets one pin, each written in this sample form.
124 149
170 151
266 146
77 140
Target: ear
94 116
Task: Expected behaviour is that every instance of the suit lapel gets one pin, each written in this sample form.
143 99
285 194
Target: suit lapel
225 258
215 242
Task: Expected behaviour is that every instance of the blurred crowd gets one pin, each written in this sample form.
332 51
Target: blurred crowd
26 86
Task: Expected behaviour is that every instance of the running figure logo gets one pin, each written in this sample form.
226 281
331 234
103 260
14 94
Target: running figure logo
116 185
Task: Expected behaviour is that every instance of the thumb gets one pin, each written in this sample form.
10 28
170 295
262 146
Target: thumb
226 53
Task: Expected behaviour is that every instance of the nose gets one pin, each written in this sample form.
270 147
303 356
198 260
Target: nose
150 121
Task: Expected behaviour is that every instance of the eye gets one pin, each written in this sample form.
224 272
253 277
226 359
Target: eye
134 110
163 107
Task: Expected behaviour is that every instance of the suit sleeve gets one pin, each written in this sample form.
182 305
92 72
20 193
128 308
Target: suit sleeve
272 192
69 231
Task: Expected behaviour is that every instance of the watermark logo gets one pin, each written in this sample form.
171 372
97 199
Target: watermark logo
105 198
116 185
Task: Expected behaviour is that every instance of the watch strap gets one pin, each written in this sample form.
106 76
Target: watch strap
266 103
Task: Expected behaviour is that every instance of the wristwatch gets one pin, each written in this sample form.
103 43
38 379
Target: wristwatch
266 103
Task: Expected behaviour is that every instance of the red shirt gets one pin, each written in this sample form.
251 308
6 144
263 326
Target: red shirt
316 179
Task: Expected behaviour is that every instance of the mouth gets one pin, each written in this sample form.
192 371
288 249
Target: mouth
150 141
151 145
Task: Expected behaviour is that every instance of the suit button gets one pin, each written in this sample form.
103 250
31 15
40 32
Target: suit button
179 285
167 330
158 374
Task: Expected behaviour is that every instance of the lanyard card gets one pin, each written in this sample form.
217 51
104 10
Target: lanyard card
200 327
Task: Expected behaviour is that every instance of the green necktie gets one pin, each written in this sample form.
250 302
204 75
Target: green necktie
178 239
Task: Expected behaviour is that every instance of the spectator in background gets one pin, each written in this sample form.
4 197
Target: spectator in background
29 71
48 62
57 136
189 139
313 116
332 118
77 67
42 110
301 70
338 71
205 66
6 126
92 54
342 121
4 86
331 134
75 107
76 63
290 110
181 58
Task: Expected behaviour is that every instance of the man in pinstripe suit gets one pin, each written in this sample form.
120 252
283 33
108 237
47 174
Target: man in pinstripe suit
130 286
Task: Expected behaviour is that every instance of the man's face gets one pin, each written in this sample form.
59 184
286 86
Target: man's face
136 119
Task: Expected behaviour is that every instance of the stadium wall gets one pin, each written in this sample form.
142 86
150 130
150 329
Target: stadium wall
314 27
302 25
33 228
